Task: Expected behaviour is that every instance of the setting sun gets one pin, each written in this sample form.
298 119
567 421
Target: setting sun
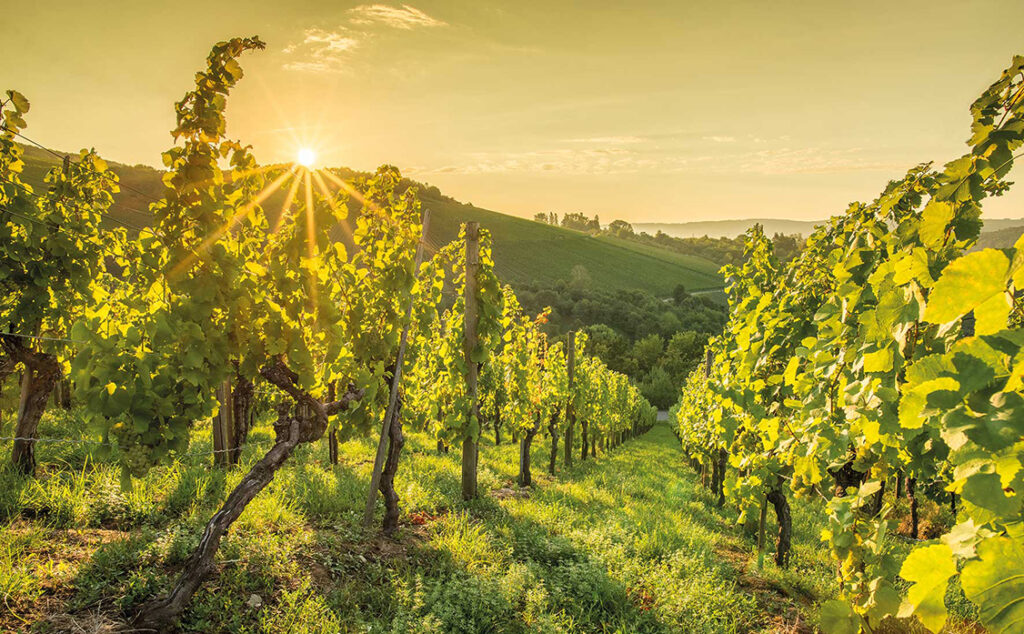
305 157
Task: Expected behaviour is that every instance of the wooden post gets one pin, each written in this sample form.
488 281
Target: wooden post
332 446
760 533
223 426
469 444
570 413
396 377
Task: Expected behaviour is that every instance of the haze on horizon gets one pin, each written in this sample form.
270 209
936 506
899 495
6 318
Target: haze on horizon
649 112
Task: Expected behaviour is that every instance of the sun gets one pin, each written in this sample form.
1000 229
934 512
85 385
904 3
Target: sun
305 157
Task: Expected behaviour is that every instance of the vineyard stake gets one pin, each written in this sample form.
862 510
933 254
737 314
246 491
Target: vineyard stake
570 413
471 313
223 426
396 377
760 533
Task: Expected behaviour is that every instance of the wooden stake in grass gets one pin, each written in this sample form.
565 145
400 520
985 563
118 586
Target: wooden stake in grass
760 533
472 316
396 377
223 426
570 413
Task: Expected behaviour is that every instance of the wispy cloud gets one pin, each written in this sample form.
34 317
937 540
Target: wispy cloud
563 161
607 140
321 50
404 17
329 50
721 139
611 160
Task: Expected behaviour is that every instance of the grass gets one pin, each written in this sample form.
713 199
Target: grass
524 250
628 543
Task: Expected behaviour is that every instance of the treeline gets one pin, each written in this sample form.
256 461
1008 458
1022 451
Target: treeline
655 341
721 251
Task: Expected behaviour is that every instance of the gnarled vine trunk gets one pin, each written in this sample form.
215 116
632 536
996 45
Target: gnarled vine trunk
497 428
877 500
720 464
40 375
911 487
306 423
553 431
396 440
845 477
783 543
7 365
241 401
584 427
525 442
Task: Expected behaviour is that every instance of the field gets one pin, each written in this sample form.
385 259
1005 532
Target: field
525 251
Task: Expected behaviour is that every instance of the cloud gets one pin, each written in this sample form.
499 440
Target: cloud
321 50
330 50
721 139
405 17
607 140
611 160
601 161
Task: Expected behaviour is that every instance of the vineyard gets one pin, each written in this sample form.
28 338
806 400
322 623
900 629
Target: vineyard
203 406
279 336
884 363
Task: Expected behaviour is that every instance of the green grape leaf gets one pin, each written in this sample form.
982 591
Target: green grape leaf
837 617
929 569
935 219
995 583
879 361
967 283
21 104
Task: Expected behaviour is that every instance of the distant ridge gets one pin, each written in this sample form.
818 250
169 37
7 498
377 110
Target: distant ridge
525 251
726 228
733 228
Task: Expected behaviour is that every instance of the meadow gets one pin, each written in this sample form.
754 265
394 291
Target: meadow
630 542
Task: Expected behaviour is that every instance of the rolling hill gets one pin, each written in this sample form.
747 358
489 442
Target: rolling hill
524 250
733 228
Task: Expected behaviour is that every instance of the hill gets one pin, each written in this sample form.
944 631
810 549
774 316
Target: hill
733 228
524 250
1000 238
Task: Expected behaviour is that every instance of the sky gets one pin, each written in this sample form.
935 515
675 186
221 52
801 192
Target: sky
646 111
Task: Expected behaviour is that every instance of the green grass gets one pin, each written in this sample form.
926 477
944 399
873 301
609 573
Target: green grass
627 543
524 250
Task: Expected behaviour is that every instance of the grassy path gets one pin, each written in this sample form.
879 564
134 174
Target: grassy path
629 543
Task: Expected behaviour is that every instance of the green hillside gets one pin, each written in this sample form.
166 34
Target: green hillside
524 250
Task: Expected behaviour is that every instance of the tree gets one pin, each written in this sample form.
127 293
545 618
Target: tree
679 294
647 352
620 229
579 278
659 388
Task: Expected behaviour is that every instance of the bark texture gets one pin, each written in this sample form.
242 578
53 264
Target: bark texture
525 478
783 542
911 487
553 432
845 477
306 422
242 395
387 477
41 373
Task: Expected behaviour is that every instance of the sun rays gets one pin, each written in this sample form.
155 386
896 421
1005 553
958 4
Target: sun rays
317 186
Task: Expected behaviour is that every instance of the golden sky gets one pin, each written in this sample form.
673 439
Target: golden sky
641 110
